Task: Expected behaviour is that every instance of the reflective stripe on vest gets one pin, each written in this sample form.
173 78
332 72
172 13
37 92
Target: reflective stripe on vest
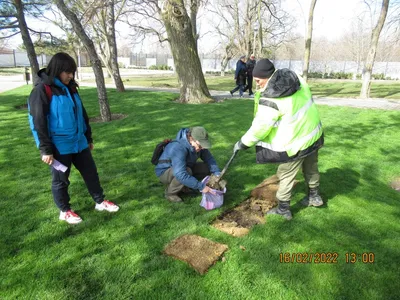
302 111
296 144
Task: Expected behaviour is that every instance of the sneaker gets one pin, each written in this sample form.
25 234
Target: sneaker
251 94
106 205
230 92
70 217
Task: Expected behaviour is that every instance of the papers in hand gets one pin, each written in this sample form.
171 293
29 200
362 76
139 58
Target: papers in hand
58 166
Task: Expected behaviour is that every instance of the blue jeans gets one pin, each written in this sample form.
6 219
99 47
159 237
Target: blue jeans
85 164
239 87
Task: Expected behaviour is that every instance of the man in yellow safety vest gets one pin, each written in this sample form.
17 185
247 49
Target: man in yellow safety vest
286 129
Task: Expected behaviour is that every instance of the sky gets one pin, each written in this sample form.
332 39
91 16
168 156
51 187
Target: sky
331 19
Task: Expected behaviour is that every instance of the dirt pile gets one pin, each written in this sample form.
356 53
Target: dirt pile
215 183
239 220
198 252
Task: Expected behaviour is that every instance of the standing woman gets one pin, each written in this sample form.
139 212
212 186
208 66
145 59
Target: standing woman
61 129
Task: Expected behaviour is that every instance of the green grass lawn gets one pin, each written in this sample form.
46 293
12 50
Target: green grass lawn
120 256
11 71
319 87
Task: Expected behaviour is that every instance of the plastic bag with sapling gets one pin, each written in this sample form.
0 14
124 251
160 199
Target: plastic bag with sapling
210 201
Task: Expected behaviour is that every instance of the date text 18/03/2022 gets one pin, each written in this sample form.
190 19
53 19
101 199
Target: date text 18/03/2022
327 257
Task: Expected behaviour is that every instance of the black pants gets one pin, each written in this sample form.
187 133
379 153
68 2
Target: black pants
249 84
85 164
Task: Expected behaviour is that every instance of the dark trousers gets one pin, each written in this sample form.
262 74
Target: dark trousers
199 171
249 85
85 164
240 88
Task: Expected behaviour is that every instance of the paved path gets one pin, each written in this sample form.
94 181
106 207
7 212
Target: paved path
350 102
11 82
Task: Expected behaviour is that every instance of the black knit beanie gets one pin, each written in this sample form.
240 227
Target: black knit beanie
263 69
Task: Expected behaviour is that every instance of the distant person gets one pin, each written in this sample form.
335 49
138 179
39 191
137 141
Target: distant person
178 167
61 129
286 129
250 64
240 76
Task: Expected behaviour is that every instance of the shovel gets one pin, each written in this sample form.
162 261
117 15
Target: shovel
226 166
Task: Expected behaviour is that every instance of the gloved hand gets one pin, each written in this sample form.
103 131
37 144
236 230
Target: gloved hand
239 146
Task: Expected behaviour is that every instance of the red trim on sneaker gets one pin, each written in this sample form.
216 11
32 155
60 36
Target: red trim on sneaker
70 213
106 202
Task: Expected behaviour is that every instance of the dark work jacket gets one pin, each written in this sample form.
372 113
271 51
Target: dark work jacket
250 64
61 121
240 73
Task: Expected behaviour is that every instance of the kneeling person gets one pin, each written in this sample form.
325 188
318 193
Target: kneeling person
178 166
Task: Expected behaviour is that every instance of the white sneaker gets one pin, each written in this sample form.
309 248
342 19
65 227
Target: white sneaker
70 217
106 205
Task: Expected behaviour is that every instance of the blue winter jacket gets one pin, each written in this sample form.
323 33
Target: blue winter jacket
60 121
180 155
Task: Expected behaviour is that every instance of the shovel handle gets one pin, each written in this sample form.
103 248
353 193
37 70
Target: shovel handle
226 166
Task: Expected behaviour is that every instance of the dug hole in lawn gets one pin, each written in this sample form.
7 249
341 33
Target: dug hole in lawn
201 253
239 220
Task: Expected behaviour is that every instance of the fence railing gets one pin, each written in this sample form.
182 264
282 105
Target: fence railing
388 69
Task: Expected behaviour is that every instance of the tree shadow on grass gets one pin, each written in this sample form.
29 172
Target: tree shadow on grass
345 181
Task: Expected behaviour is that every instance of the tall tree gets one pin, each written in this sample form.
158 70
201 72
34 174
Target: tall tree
184 51
170 21
307 50
100 18
94 59
369 63
112 44
260 26
12 20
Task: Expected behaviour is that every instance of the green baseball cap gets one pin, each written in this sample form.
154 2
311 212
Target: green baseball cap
200 135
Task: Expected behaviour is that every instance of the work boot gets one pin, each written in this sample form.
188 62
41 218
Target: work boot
313 198
282 209
172 197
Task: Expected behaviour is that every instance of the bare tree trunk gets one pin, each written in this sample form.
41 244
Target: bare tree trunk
260 31
184 51
94 59
113 47
224 63
369 63
307 50
30 49
194 8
